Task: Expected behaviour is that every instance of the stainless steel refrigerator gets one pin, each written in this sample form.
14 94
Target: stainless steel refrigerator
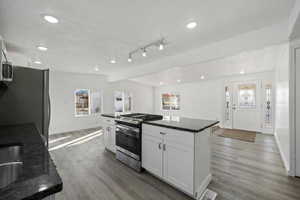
26 100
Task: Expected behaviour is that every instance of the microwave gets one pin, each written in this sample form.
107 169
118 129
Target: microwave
6 71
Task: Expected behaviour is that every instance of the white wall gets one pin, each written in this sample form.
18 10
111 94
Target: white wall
197 100
256 39
204 99
63 85
294 21
142 96
282 134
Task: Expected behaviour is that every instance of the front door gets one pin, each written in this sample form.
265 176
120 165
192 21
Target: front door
246 105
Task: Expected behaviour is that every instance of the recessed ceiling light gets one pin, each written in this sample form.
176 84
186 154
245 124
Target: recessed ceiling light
191 25
51 19
42 48
161 83
113 61
38 62
242 72
96 69
202 77
178 80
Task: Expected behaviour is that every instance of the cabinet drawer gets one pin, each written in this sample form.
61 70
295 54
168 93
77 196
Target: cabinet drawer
153 131
181 138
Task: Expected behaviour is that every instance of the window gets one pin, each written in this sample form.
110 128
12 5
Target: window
119 102
87 102
170 101
247 96
123 102
227 104
82 102
96 102
127 102
268 106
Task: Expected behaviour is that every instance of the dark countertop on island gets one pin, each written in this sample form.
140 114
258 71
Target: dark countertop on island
111 115
37 177
184 124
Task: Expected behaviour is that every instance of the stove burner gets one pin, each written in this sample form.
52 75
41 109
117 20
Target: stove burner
142 116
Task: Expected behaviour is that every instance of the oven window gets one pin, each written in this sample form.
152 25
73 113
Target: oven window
127 142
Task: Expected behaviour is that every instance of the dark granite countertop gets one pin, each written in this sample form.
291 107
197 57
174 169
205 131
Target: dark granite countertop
185 124
111 115
36 177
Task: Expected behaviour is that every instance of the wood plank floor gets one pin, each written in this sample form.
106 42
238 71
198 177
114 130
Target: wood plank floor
241 171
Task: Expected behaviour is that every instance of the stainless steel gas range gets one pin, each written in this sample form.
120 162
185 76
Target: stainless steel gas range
129 138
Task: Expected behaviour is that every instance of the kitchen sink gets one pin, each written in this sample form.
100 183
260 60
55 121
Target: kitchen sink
10 164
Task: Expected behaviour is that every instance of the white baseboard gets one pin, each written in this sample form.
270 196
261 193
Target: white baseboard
267 132
283 158
203 186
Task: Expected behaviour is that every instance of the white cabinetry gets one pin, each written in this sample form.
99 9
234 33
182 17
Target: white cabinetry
175 157
151 154
109 133
178 165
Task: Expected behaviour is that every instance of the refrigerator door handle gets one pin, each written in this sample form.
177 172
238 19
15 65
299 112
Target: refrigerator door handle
49 110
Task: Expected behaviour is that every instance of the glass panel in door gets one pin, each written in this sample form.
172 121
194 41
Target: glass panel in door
246 106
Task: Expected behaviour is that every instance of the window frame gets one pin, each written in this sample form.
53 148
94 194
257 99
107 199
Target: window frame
170 93
75 103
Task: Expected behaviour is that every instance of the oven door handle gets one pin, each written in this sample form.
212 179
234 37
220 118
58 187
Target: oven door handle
128 128
130 135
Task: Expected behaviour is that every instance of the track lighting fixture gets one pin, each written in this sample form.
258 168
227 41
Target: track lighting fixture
160 44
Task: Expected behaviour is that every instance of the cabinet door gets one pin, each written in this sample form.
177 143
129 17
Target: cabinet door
152 155
112 138
106 136
178 164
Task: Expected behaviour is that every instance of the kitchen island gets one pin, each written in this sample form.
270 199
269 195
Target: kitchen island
178 152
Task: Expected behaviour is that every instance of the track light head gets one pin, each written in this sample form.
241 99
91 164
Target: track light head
144 54
129 58
161 46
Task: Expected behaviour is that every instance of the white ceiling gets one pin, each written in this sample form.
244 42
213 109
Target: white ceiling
92 32
255 61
